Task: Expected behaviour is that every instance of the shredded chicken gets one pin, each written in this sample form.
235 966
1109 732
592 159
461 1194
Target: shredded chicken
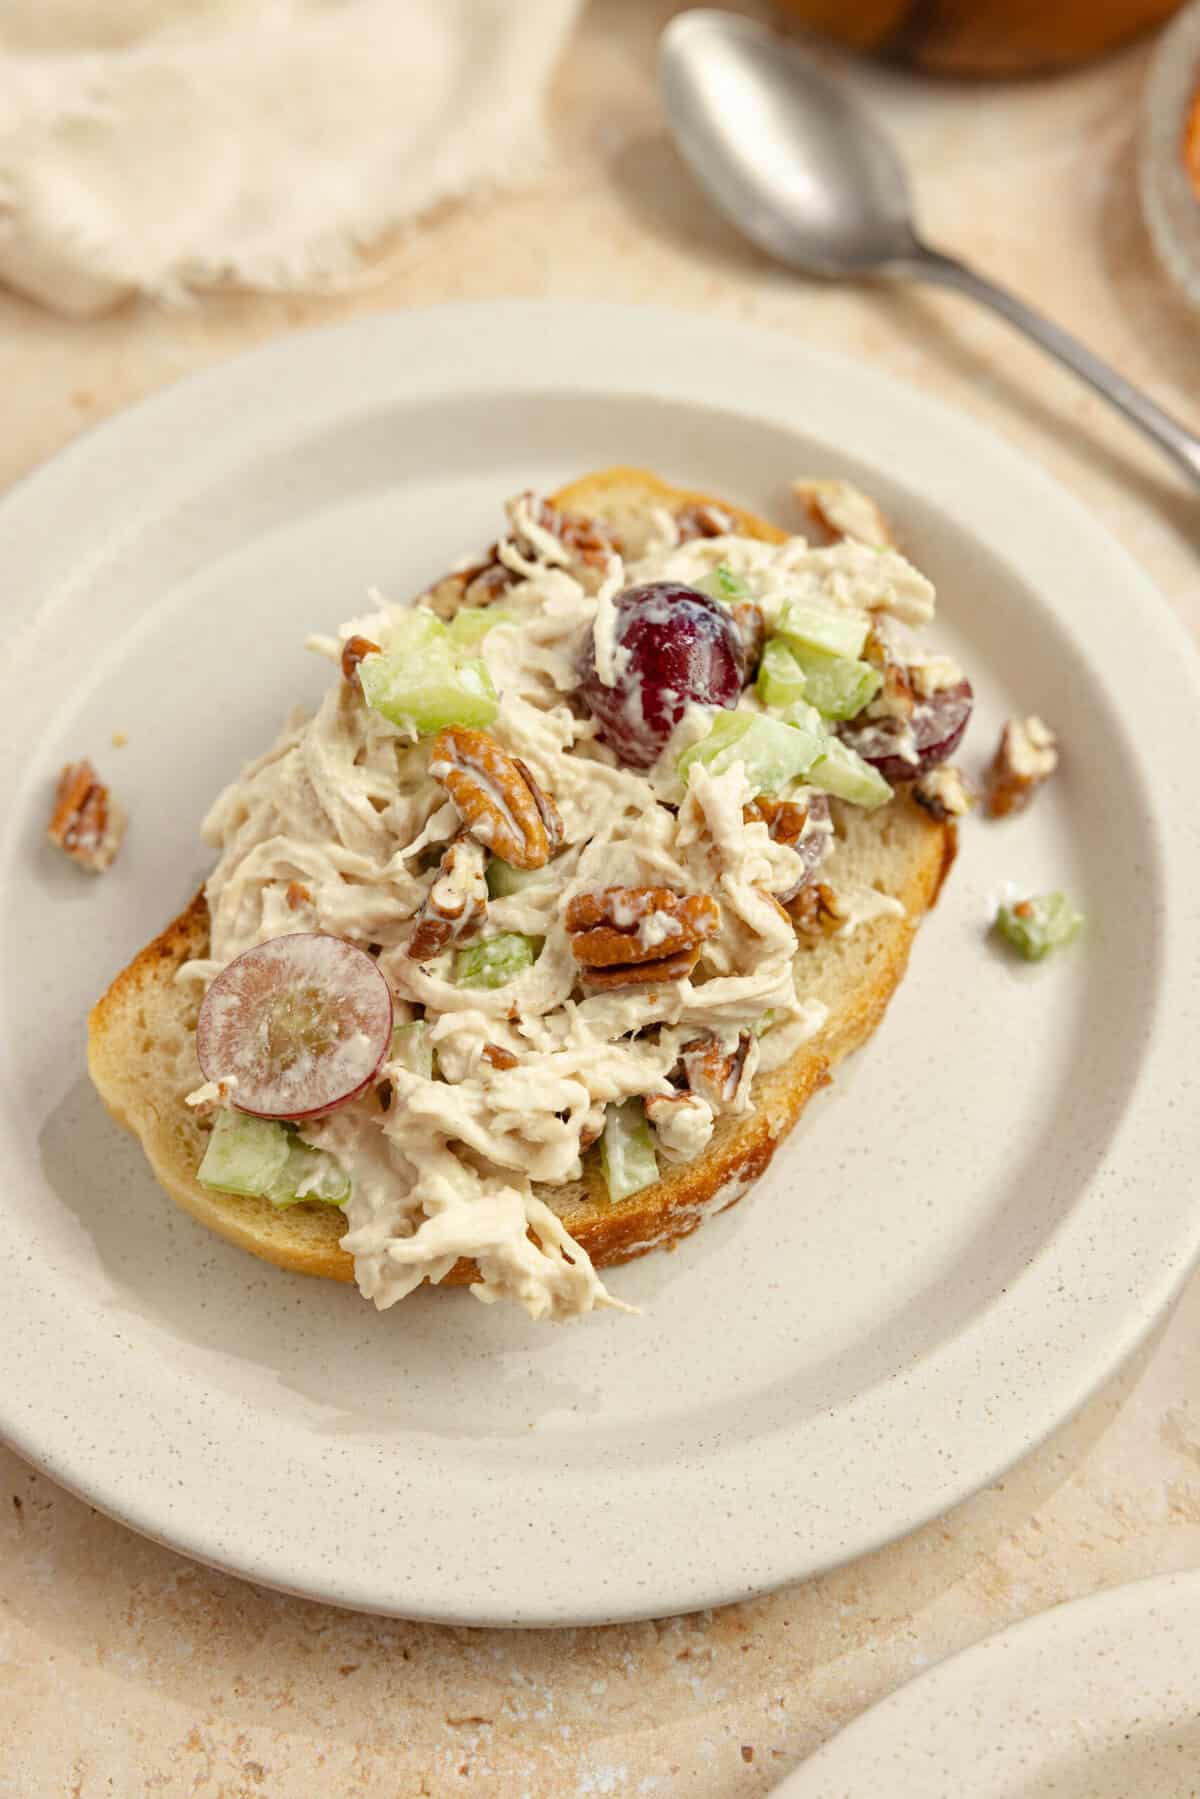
345 811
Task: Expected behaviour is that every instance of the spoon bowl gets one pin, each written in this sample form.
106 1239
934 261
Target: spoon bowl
787 156
798 167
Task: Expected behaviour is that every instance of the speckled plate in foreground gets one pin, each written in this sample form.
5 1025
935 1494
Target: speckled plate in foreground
1099 1699
959 1242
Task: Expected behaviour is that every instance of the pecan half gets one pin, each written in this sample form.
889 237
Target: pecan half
86 823
456 904
814 910
644 974
839 509
628 935
1026 755
497 797
721 1077
700 520
353 651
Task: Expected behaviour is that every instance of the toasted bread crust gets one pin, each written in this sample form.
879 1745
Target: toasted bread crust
142 1060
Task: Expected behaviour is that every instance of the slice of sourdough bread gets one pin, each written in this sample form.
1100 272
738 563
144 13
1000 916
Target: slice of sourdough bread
141 1050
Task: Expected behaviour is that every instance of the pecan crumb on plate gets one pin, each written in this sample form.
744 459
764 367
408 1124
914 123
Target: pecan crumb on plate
1026 756
86 824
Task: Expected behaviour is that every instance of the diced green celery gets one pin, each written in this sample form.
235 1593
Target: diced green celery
412 1049
496 960
503 880
762 1025
627 1150
1035 926
308 1174
824 628
842 772
472 623
722 584
838 686
261 1159
780 677
413 631
430 690
725 732
244 1155
772 752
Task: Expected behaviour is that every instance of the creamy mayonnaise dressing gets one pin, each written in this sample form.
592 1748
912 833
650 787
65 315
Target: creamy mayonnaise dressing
339 827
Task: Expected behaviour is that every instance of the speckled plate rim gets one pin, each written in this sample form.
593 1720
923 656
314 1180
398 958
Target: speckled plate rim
901 1452
1062 1684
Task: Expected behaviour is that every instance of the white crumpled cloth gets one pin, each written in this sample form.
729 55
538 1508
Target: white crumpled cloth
168 144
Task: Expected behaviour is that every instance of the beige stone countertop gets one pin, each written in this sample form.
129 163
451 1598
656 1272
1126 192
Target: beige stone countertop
126 1670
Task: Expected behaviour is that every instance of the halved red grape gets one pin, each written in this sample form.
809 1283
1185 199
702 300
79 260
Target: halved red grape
679 647
937 725
303 1023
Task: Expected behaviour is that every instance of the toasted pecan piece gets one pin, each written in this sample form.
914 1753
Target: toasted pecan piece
895 698
1026 756
839 509
456 904
587 540
703 520
814 910
628 935
353 651
720 1076
752 631
784 819
86 823
676 967
788 822
498 799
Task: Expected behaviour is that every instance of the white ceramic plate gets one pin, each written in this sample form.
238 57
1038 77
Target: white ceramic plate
958 1244
1099 1699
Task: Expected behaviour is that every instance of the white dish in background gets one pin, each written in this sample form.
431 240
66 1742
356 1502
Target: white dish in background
957 1245
1169 202
1098 1699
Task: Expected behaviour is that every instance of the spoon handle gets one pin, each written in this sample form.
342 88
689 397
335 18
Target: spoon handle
1182 445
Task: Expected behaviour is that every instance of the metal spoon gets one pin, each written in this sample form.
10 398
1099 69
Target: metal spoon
792 162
